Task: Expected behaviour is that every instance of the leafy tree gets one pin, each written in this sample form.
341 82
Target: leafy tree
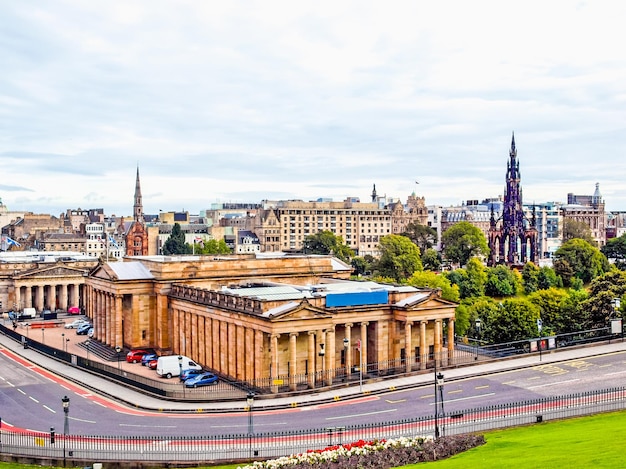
431 259
326 242
573 229
530 277
577 316
176 244
399 257
615 249
360 266
577 258
462 241
550 304
212 246
476 277
515 320
472 309
602 292
548 278
502 281
424 236
430 279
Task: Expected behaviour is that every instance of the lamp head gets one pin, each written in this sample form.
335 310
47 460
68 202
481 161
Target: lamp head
66 403
250 399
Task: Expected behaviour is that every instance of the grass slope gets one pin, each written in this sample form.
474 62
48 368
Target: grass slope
587 442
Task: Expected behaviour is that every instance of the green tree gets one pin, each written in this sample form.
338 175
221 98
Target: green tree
577 318
462 241
515 320
431 259
602 292
502 281
530 277
550 303
471 309
577 258
615 250
326 242
548 278
399 257
176 244
476 277
574 229
424 236
212 246
430 279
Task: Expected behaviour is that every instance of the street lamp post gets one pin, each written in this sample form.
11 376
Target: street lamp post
250 403
540 327
118 349
360 366
322 353
87 344
66 425
616 305
63 341
180 370
478 324
346 351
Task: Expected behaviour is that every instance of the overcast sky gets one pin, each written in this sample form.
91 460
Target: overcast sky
233 101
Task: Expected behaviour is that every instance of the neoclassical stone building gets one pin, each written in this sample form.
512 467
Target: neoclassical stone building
43 280
282 322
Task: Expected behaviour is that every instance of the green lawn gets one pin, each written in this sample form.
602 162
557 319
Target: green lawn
587 442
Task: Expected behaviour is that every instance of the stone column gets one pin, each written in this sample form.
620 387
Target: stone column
364 346
408 345
39 306
52 299
240 333
176 326
109 323
293 352
438 341
208 342
321 340
348 349
259 341
75 291
311 360
450 339
331 362
63 297
274 361
29 297
17 299
423 346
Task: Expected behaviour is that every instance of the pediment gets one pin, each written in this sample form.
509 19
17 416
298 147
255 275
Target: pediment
298 312
52 272
104 273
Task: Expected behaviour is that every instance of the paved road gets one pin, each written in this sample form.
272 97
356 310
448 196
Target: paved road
30 395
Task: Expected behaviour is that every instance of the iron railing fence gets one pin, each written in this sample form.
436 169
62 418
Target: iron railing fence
173 450
466 351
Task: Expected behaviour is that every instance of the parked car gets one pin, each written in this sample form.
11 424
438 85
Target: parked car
84 329
152 364
203 379
90 332
76 323
134 356
73 310
189 372
146 358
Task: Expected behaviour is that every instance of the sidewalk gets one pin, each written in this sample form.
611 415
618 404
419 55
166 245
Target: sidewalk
139 400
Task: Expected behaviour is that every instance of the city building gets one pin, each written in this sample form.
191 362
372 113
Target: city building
278 322
588 209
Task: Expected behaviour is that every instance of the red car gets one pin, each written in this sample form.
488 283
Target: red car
134 356
152 364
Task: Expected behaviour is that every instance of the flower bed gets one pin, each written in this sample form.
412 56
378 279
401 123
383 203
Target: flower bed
379 454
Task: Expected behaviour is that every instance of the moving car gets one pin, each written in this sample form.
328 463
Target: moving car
135 356
146 358
76 323
84 329
203 379
189 372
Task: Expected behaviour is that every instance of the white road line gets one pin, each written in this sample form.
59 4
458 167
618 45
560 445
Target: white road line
147 426
82 420
361 415
615 373
33 399
553 384
466 398
51 410
20 391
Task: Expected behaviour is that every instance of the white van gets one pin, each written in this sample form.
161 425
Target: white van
170 365
28 313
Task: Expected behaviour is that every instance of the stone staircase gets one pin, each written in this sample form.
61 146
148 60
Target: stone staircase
103 351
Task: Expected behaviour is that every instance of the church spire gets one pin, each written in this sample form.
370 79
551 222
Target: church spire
138 206
374 194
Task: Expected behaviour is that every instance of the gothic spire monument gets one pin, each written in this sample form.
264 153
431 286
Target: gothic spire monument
512 237
138 206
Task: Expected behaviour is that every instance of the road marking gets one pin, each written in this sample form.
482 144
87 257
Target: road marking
534 377
147 426
509 382
33 399
615 373
456 391
466 398
394 402
361 415
20 391
82 420
51 410
427 396
553 384
486 386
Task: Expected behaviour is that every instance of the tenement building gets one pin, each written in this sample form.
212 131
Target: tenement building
278 323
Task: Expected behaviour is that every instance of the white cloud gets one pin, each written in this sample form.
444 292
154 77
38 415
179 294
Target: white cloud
254 100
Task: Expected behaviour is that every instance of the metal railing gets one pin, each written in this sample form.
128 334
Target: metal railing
175 450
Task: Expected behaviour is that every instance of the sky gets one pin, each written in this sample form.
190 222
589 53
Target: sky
243 101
